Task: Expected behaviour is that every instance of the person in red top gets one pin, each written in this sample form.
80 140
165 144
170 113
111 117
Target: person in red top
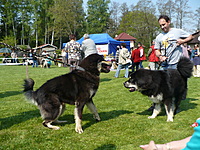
153 59
135 57
142 54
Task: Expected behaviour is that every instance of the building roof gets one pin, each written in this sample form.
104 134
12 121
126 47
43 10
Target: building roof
124 36
46 45
195 40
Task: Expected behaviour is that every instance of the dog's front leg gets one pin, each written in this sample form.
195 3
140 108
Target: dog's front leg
156 111
78 116
93 110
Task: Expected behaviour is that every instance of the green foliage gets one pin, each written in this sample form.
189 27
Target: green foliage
9 40
124 124
98 16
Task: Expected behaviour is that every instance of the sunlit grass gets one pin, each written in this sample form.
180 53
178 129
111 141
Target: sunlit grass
124 122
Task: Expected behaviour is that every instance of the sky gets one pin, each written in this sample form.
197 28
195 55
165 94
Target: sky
193 4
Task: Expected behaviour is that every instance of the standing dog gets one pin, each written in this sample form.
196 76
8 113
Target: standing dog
168 87
77 88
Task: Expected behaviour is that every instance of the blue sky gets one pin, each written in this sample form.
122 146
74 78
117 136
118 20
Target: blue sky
193 4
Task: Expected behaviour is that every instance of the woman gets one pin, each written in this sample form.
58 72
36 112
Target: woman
196 60
122 63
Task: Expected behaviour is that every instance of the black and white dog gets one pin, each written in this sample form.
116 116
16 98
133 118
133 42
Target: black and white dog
77 88
168 87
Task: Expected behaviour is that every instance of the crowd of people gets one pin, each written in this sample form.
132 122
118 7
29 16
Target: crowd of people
165 51
73 52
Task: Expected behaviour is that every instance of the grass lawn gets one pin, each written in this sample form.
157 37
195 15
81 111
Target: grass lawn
124 124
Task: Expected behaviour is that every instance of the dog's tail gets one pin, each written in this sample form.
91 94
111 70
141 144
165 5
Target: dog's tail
185 67
28 90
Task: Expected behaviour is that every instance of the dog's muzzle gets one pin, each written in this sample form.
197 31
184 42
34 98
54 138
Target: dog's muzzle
129 86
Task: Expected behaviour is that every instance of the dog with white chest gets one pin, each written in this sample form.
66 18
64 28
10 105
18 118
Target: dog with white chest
163 86
76 88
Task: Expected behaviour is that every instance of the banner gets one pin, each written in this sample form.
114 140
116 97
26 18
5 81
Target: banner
102 49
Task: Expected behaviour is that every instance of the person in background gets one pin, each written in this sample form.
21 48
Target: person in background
185 50
73 49
14 57
88 46
142 54
117 54
167 43
123 57
64 58
135 58
196 60
153 59
35 59
48 60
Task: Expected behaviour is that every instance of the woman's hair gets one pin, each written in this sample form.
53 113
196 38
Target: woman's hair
72 37
164 17
123 44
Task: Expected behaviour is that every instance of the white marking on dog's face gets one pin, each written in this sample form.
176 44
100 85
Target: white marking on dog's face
157 99
99 66
131 86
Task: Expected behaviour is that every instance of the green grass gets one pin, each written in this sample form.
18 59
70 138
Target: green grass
124 124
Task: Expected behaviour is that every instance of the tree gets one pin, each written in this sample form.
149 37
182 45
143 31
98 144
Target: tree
166 7
140 22
197 19
97 16
181 13
114 18
68 16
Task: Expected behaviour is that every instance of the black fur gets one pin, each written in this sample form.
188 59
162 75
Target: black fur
171 84
76 88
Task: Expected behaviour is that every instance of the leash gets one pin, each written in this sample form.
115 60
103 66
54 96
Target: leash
23 50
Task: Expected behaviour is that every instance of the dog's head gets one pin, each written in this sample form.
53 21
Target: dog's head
140 81
95 63
105 66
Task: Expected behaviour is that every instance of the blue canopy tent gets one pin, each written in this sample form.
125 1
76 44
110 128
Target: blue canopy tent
104 38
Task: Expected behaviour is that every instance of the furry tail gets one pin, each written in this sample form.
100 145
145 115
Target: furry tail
28 89
185 67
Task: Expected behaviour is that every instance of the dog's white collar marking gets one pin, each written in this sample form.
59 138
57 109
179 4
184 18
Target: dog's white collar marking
80 68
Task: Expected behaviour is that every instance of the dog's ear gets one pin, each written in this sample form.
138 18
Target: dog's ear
144 81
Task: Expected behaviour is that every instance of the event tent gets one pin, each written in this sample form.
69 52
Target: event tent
105 39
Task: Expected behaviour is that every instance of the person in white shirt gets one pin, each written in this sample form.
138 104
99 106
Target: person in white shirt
88 46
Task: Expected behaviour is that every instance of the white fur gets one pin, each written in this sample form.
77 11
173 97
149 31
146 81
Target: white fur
78 127
157 99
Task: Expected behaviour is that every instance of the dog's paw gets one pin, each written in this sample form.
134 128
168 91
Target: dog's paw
170 120
151 117
55 127
79 130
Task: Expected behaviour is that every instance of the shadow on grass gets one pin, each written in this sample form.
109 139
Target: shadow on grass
105 79
9 93
22 117
89 117
107 146
184 106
